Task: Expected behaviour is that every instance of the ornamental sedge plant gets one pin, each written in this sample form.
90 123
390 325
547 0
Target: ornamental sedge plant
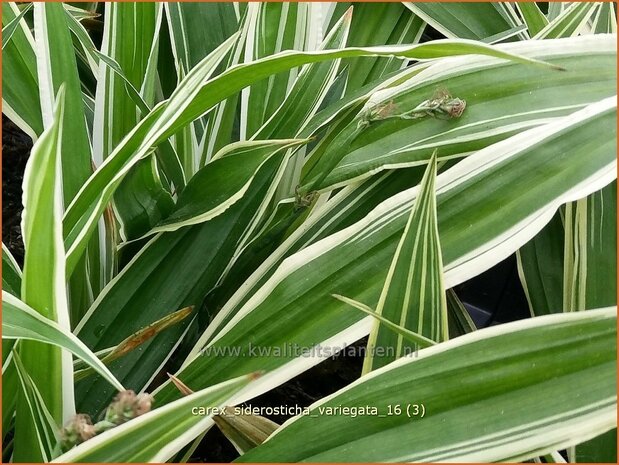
230 193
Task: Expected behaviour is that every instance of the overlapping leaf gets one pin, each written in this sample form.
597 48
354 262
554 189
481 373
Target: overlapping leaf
413 295
192 99
502 99
481 21
378 24
161 433
526 191
44 430
20 97
508 393
274 28
82 215
19 321
43 284
570 22
234 167
257 249
132 33
195 256
11 273
56 66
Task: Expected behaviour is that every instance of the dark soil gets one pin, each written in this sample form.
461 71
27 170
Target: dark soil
15 151
495 296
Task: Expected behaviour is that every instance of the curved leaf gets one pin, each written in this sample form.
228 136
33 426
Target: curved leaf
234 167
195 256
193 99
43 282
508 190
19 321
502 99
507 394
11 273
158 435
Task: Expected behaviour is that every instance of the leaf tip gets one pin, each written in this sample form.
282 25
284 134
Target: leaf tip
348 14
182 387
184 312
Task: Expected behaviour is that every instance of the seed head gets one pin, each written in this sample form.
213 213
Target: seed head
385 110
454 107
77 430
127 405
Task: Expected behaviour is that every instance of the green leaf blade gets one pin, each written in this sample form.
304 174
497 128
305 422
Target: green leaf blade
192 100
485 385
474 226
413 294
502 98
158 435
19 321
466 20
234 167
43 281
197 256
20 95
45 431
11 273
